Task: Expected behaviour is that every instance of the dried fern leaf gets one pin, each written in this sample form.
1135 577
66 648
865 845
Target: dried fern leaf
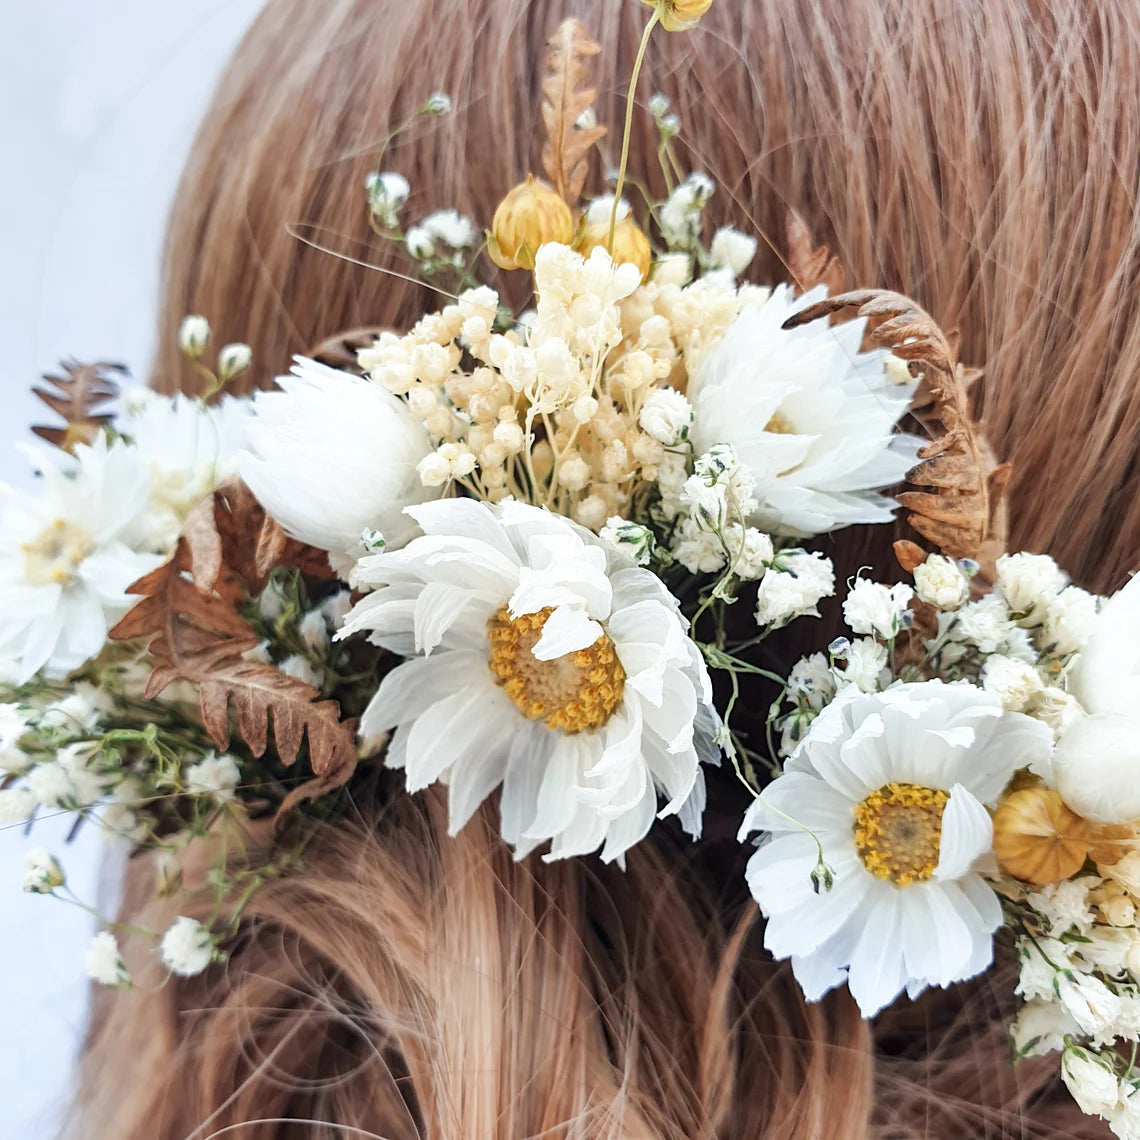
958 507
811 265
79 399
195 633
566 152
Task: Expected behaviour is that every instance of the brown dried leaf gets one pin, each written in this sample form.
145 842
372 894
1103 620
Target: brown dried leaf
808 264
80 398
188 613
339 350
566 152
959 509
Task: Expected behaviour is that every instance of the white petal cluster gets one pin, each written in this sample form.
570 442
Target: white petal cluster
453 719
42 873
879 936
872 608
811 416
1016 683
681 216
187 947
864 665
104 963
213 775
68 554
331 454
13 725
793 586
731 250
667 416
1029 582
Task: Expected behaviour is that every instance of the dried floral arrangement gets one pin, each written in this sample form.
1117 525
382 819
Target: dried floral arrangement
511 552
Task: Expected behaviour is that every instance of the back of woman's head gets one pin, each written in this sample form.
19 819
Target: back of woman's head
982 158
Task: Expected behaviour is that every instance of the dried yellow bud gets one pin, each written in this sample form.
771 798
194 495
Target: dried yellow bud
630 243
1037 838
679 15
531 215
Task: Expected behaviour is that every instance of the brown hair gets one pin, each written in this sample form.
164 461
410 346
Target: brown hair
982 158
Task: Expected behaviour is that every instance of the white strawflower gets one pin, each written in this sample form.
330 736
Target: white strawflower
187 947
314 632
193 336
1041 1027
872 608
864 663
1016 683
1069 621
1091 1081
66 557
546 661
42 873
233 359
939 582
13 726
16 804
894 787
103 962
213 775
1029 582
1097 761
793 587
631 538
667 416
450 227
810 682
332 454
811 417
300 668
732 250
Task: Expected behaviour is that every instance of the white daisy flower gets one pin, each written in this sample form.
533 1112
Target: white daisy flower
551 664
331 454
894 785
66 557
810 415
187 448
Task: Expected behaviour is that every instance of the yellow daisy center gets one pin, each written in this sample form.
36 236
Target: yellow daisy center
780 425
576 691
898 832
54 555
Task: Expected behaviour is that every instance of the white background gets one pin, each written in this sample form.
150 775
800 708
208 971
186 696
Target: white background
98 103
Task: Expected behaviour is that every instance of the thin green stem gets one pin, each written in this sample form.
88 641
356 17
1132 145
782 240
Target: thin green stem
654 20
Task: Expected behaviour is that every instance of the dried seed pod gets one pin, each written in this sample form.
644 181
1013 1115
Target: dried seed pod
531 215
630 243
1037 838
1110 842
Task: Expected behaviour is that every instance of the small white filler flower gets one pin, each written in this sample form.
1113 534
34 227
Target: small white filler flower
104 963
810 415
187 947
894 785
551 664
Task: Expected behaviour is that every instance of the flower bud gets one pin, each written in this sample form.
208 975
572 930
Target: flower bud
42 873
679 15
232 359
193 336
631 246
439 103
531 215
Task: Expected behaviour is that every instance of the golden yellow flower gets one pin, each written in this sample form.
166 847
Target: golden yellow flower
680 15
1037 838
631 246
531 215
